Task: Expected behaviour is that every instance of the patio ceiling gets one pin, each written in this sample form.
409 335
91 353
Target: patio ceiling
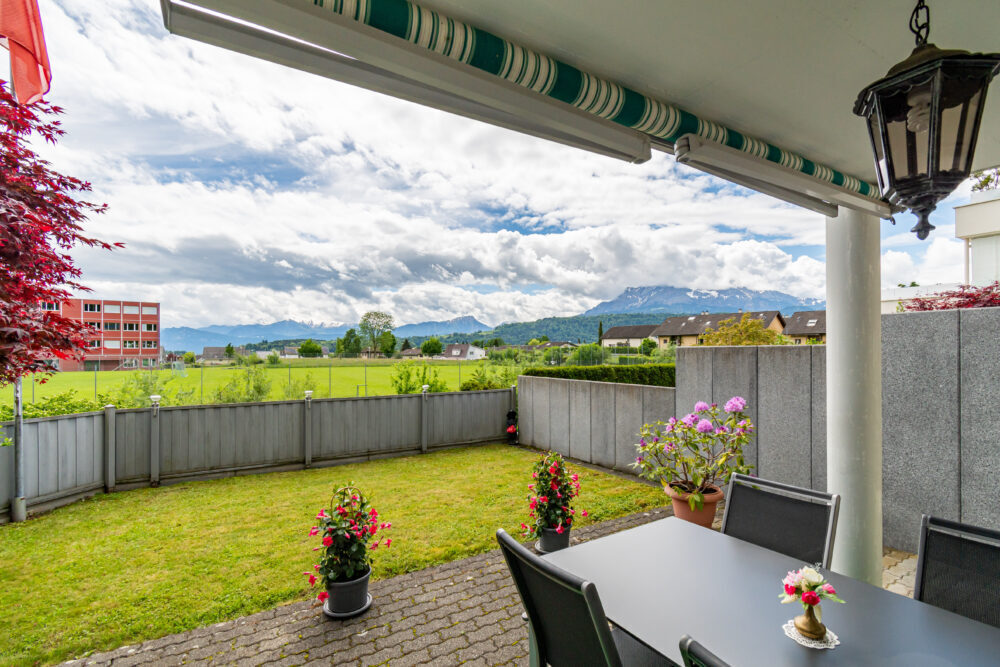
781 72
785 71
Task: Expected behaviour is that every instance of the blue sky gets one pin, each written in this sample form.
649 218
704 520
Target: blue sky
247 192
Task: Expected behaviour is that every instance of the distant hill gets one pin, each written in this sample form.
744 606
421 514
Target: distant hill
195 339
578 328
667 299
467 324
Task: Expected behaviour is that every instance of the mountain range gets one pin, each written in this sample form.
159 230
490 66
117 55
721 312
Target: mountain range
667 299
636 305
219 335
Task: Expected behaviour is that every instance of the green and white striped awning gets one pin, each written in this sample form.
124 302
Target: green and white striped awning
558 80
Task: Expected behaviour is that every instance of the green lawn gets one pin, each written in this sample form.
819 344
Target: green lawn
125 567
332 378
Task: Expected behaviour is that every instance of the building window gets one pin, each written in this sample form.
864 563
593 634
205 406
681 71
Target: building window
130 363
149 362
49 305
798 341
94 325
93 343
149 344
149 327
131 344
131 326
130 310
149 310
112 344
91 307
112 326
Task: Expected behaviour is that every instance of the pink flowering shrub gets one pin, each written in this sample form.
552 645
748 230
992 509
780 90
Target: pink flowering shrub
349 530
702 449
808 587
552 490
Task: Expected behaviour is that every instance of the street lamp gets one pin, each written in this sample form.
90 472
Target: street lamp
923 121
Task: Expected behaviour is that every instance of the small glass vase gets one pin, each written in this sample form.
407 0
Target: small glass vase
808 625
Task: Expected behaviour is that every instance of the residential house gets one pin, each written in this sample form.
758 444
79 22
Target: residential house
628 336
290 352
807 326
219 353
412 353
371 353
463 352
689 329
894 299
564 344
978 224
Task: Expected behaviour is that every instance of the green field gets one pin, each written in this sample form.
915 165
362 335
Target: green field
332 378
135 565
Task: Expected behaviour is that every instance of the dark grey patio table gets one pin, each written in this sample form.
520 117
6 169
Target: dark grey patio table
669 578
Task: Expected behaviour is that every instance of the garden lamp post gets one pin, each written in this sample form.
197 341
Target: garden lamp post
923 121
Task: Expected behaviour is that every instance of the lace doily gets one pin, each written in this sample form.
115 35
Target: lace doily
829 641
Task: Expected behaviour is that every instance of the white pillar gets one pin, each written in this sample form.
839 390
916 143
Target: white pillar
854 391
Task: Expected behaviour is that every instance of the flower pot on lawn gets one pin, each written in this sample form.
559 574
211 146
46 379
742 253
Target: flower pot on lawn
682 506
552 540
347 598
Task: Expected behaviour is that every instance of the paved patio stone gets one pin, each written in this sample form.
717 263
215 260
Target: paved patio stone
464 612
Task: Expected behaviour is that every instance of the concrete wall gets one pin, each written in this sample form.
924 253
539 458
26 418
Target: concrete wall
940 407
597 422
71 456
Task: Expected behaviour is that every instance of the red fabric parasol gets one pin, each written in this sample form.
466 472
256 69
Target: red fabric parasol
21 28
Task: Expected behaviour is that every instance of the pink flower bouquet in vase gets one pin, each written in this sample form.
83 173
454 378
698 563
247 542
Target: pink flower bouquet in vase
808 587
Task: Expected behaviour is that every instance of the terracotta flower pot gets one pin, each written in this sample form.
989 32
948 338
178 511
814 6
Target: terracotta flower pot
702 517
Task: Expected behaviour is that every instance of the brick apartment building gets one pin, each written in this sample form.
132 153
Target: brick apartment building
124 334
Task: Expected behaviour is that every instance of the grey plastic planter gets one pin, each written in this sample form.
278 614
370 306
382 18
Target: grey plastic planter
348 598
552 541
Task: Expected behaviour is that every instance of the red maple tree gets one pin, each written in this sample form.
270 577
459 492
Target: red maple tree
966 296
40 221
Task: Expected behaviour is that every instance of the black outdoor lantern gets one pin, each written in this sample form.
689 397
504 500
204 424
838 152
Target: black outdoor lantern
923 120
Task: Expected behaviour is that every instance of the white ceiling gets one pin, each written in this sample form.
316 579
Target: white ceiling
787 71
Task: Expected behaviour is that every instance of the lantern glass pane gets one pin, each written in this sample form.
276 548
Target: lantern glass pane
881 165
965 155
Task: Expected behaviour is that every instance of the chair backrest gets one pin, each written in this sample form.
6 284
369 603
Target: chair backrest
958 569
696 655
792 520
564 611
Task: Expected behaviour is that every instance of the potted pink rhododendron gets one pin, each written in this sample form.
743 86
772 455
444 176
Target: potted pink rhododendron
694 456
348 531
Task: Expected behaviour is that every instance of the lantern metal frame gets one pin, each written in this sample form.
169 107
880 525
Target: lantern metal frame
941 70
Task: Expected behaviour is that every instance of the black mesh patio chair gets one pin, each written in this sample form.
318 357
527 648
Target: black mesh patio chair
788 519
566 617
958 569
696 655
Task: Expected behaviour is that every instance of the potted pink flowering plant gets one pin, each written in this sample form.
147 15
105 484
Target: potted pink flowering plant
693 457
549 503
808 587
348 531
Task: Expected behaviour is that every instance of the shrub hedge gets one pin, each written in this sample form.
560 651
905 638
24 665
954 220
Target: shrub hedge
660 375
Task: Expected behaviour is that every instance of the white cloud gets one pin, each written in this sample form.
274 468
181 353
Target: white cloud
250 192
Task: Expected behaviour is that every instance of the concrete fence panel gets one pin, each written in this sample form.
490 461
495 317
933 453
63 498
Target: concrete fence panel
580 435
559 416
979 417
784 414
6 472
818 420
693 377
602 423
628 422
920 422
734 373
525 408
